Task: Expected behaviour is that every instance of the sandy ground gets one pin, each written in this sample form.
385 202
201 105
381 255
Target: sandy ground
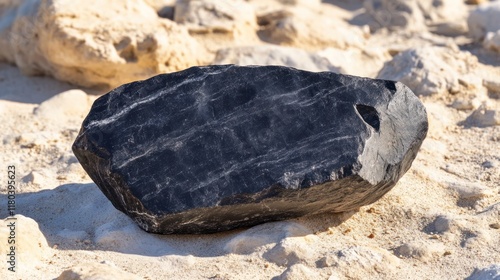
441 221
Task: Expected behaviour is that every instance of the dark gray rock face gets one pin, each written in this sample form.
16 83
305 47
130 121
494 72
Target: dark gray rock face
215 148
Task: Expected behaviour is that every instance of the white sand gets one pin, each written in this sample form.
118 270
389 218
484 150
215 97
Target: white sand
441 221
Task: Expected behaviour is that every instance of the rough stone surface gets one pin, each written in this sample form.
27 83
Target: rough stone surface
274 55
470 191
430 70
448 224
293 28
93 43
492 41
302 3
485 18
413 15
491 272
361 258
31 245
254 239
420 250
215 148
358 262
234 17
298 272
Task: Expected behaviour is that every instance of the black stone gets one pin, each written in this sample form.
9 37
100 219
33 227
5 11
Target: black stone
220 147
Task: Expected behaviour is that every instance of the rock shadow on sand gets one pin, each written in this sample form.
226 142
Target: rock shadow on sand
80 217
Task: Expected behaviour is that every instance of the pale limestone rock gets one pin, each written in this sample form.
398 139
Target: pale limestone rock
462 104
471 191
475 2
451 29
444 16
233 17
96 271
93 43
483 117
362 258
485 18
37 139
34 177
294 27
31 247
487 273
302 3
430 70
274 55
492 41
290 251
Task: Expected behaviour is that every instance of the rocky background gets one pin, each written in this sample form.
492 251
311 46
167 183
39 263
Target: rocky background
442 220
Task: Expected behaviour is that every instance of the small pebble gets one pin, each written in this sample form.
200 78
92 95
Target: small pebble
461 104
489 164
495 226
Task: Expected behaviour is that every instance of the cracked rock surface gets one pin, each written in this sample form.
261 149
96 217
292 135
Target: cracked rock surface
221 147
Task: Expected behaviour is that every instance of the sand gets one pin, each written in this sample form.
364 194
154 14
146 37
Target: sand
441 221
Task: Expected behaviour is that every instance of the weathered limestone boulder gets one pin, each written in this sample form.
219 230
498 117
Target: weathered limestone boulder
215 148
293 27
485 18
93 43
445 16
365 62
430 70
492 41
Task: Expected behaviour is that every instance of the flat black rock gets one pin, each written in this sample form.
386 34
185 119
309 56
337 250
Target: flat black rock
215 148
